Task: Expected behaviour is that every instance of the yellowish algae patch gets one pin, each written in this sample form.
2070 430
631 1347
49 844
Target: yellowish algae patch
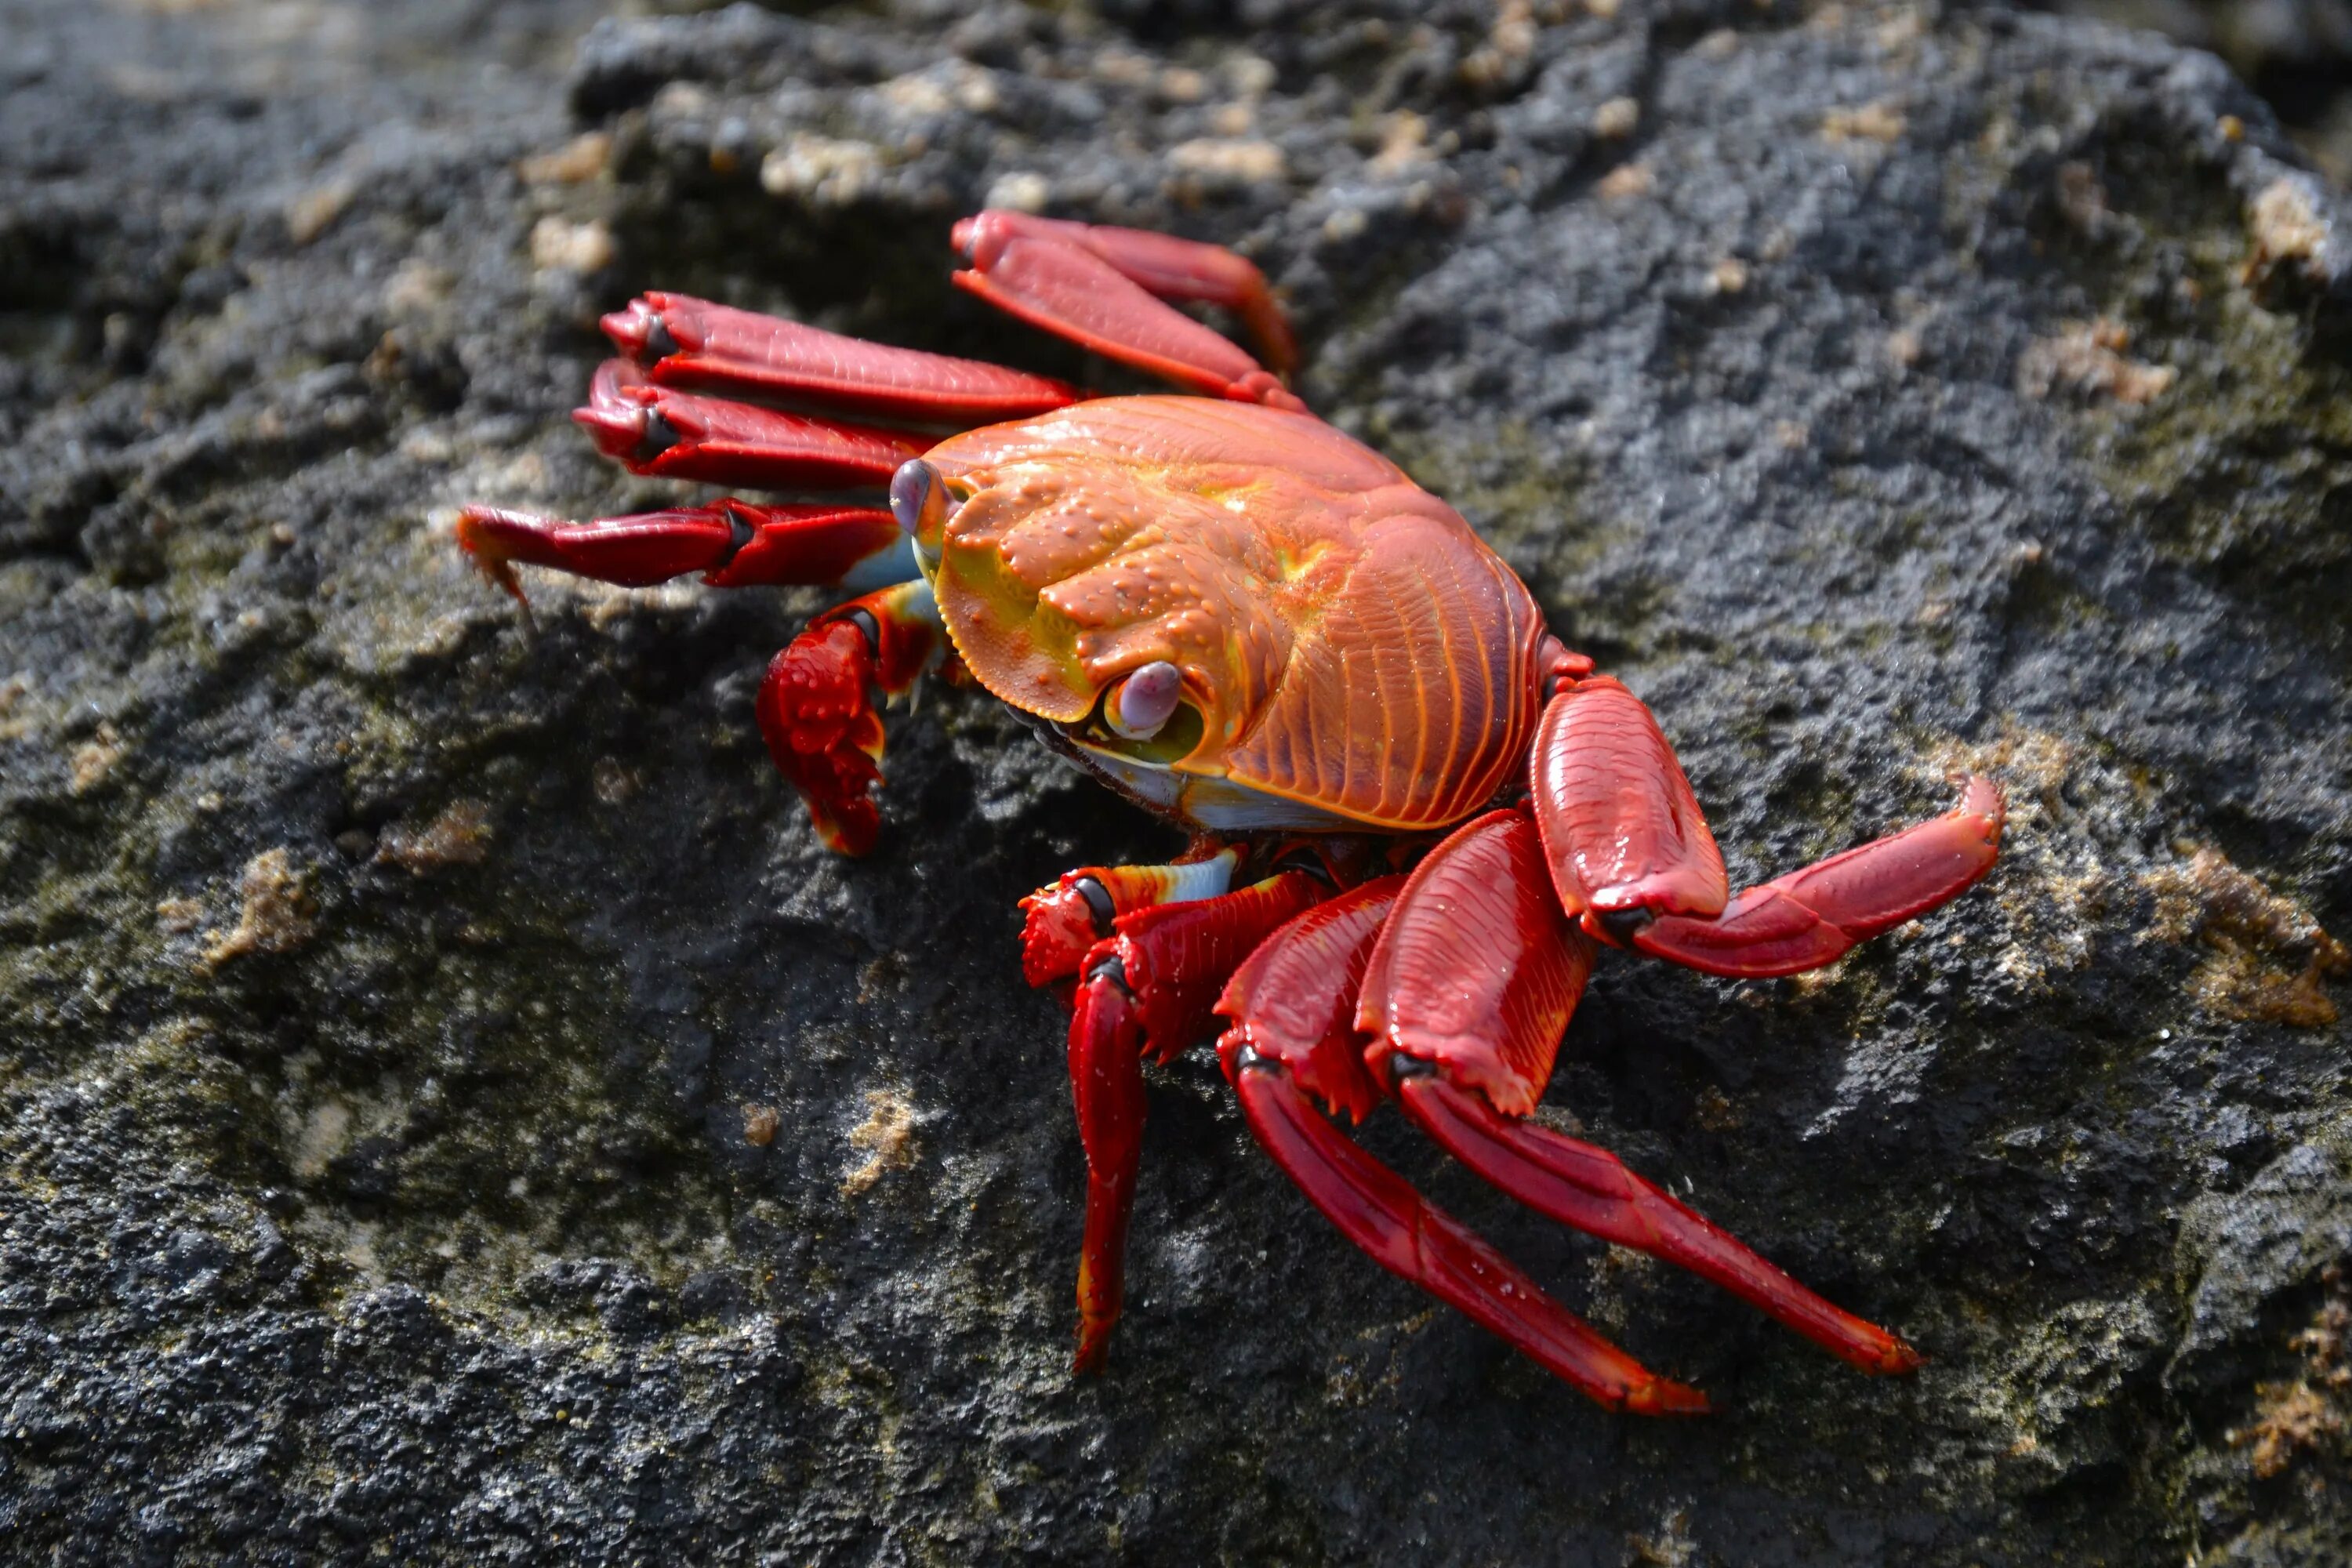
2266 958
2306 1415
276 911
887 1134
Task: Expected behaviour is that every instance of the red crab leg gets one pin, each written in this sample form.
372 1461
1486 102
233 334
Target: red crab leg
1810 917
1631 859
818 719
1162 265
1095 288
661 431
1294 1035
1062 922
1413 1238
1148 988
1293 1000
1621 830
1590 1189
1469 990
688 342
733 544
1476 971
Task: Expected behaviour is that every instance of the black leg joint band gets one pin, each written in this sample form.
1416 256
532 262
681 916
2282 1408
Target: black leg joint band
1621 924
656 438
1098 903
660 343
1112 970
868 628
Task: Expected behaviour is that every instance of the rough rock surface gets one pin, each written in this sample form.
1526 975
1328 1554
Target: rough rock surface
2297 53
451 1112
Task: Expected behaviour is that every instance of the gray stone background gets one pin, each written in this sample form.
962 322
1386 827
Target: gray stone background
451 1112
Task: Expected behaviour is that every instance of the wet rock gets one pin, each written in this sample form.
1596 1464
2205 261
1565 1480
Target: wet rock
577 1164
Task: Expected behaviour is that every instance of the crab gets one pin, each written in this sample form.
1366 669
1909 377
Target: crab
1416 816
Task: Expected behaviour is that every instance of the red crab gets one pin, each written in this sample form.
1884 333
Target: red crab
1415 813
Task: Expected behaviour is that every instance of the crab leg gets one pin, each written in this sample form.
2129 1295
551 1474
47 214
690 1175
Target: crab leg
817 716
733 544
1809 918
1148 988
1294 1035
669 434
1411 1238
1633 861
1476 971
1097 287
1465 995
1591 1190
1622 832
683 341
1062 922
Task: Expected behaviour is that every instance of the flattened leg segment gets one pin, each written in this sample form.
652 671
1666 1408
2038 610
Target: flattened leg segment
1106 1092
1590 1189
1413 1238
1294 1000
1622 834
733 544
1476 970
1810 917
669 434
1165 266
1097 287
684 341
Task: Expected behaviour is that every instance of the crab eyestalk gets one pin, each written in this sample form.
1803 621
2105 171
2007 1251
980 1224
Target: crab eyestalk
918 500
1141 706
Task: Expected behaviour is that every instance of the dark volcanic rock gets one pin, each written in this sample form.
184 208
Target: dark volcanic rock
389 987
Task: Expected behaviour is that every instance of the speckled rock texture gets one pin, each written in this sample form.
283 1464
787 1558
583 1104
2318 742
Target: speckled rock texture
2306 40
452 1111
2297 53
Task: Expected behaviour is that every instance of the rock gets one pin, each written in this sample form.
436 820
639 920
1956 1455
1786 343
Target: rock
2297 53
613 1176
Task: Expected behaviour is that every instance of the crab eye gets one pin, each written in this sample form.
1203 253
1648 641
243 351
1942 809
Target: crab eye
920 501
1144 701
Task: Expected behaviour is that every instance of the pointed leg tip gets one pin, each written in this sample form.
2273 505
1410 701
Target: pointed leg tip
482 532
1093 1354
1898 1360
1663 1396
1982 796
845 836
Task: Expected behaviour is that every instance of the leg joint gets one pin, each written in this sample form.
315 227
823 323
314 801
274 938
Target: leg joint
1110 967
1620 926
1098 904
867 627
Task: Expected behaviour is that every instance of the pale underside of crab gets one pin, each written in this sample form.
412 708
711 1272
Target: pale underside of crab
1415 814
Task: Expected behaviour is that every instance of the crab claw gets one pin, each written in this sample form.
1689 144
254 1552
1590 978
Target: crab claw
817 716
823 733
